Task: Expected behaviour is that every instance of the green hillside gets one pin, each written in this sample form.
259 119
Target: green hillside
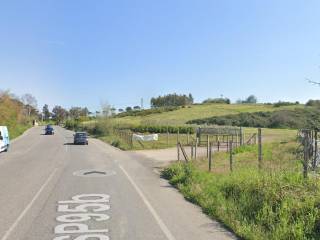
183 115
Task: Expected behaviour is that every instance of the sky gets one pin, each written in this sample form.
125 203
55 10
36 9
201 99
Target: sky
89 52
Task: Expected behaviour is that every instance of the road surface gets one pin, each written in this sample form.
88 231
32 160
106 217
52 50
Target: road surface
51 189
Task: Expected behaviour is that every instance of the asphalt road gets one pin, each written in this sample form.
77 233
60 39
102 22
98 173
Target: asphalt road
51 189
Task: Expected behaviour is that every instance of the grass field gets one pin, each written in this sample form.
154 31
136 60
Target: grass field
182 115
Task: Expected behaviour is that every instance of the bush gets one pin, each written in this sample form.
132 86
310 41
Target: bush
217 100
282 104
116 143
295 119
313 103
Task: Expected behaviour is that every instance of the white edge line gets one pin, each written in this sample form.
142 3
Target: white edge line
15 224
161 224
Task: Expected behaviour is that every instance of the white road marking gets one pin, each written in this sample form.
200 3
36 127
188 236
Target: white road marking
161 224
14 225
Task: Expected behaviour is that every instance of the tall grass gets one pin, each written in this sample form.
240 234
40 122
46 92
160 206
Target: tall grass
255 205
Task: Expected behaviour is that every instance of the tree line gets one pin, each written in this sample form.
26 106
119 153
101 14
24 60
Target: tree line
170 100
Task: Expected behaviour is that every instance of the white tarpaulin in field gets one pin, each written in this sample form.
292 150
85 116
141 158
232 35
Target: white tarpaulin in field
145 138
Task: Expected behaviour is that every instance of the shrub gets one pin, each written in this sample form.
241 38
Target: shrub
298 118
163 129
281 104
147 111
313 103
217 100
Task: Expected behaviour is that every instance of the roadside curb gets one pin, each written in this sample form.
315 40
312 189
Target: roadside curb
22 135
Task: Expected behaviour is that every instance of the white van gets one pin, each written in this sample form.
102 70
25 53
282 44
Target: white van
4 139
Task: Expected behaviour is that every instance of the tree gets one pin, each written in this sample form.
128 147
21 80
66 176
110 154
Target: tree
171 100
45 112
75 112
113 111
136 107
59 114
30 103
191 99
120 110
106 109
128 109
252 99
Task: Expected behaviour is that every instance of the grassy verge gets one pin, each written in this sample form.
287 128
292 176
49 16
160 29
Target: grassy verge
17 130
255 205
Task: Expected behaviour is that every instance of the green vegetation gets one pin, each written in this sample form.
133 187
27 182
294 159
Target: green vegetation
295 119
255 205
217 100
183 115
15 114
171 100
147 112
163 129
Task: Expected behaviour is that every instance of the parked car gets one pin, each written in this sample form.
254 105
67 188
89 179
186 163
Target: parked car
80 138
4 139
49 130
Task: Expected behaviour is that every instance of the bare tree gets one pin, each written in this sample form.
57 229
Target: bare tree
30 102
106 109
313 82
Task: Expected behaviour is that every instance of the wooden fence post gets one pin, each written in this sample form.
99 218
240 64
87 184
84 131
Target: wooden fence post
188 138
192 150
167 136
196 149
315 149
260 148
305 156
210 156
208 143
178 151
178 135
218 146
231 156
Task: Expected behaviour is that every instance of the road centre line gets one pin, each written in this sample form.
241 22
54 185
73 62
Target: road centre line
25 211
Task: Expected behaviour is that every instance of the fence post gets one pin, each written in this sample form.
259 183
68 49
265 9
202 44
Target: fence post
315 149
131 140
241 136
305 156
178 151
260 148
192 150
195 149
178 135
167 136
210 156
188 137
218 146
208 143
231 156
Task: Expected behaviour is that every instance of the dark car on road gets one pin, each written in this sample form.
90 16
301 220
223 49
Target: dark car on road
80 138
49 130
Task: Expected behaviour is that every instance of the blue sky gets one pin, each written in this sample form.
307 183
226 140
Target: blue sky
82 53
